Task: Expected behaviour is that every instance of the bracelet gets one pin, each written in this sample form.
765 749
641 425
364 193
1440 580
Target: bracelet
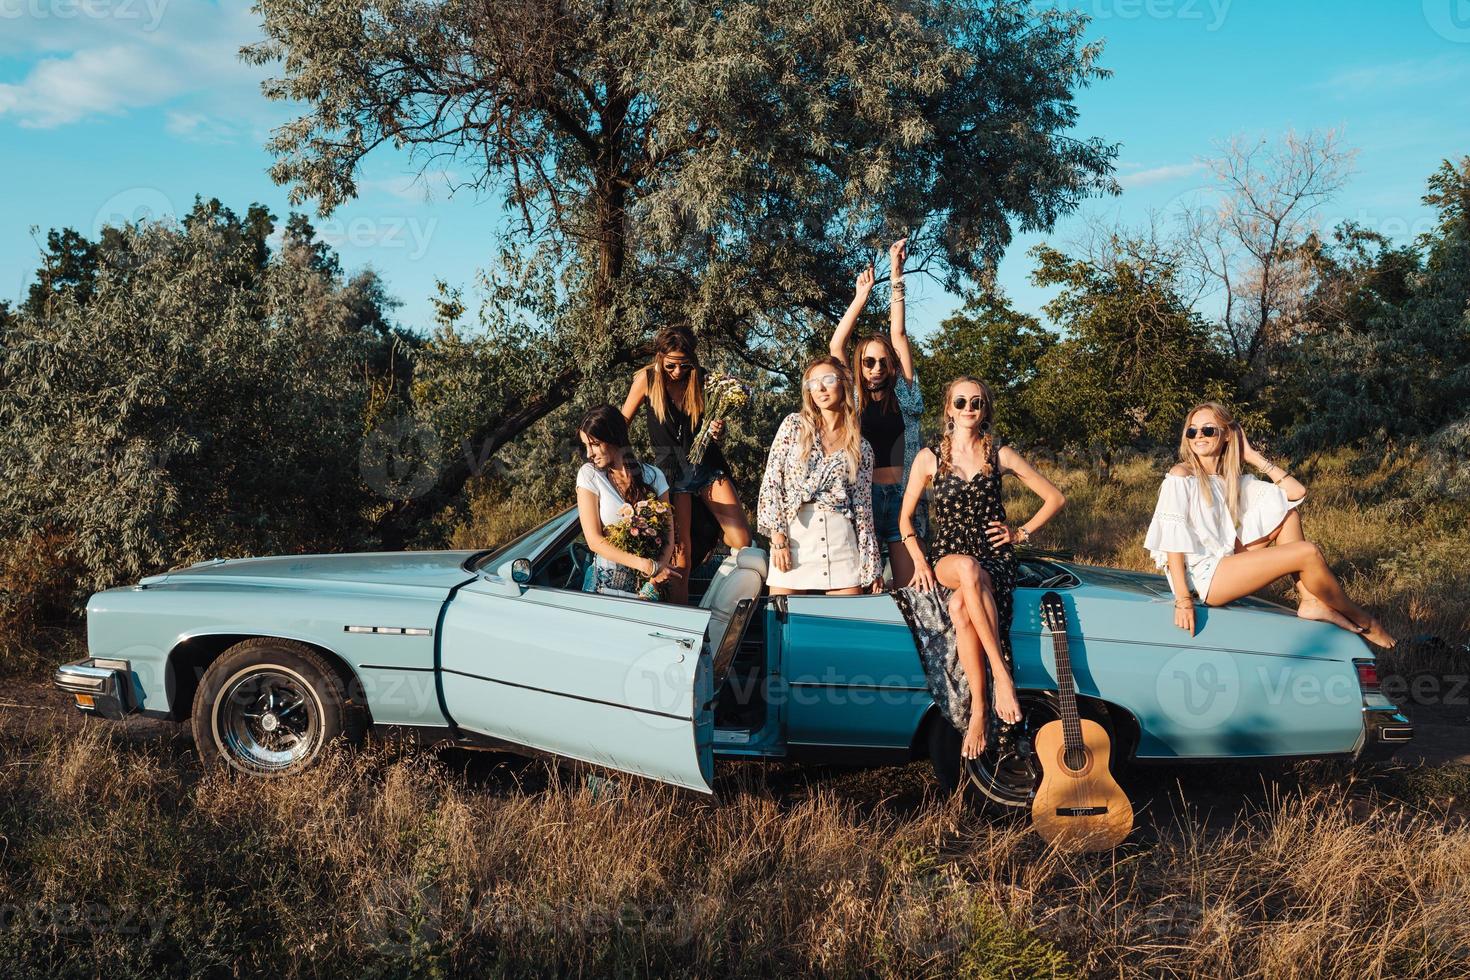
657 565
1181 603
1022 534
907 536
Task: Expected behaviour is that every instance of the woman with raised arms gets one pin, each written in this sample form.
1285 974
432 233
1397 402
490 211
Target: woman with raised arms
959 603
672 386
1212 526
890 407
816 500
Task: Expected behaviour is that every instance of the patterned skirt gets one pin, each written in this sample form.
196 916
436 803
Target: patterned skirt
927 614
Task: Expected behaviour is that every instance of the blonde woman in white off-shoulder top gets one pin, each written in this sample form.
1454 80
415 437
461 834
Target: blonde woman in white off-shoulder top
1213 525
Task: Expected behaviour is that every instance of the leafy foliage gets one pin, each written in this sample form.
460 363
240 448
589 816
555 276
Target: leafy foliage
190 395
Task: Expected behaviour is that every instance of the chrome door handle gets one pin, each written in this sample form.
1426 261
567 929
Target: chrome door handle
686 641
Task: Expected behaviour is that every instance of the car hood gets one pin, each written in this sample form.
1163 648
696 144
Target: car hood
439 570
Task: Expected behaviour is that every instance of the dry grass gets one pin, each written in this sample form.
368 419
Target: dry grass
118 857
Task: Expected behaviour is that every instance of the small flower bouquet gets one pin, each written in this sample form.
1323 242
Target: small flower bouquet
643 529
723 396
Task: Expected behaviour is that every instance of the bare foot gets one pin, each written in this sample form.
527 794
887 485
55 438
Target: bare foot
1314 608
974 742
1007 708
1378 636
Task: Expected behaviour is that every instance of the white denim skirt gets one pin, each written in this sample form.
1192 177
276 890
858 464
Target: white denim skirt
824 553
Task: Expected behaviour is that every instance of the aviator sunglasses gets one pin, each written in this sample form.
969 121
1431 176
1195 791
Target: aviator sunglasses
821 381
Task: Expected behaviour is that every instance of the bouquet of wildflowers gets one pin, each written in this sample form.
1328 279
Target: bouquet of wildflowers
642 529
723 396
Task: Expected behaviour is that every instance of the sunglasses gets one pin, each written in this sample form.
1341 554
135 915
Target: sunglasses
872 362
1208 431
822 381
976 402
678 365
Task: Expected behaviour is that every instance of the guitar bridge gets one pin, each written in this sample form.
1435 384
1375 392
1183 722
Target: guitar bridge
1081 811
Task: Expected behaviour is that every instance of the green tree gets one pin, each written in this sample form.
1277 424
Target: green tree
1133 357
991 340
722 164
190 401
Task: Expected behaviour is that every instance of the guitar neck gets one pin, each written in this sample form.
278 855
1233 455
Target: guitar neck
1066 693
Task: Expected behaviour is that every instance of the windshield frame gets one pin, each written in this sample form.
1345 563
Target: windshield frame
528 544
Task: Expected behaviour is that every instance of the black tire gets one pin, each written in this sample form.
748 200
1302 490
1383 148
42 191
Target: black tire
1006 775
268 707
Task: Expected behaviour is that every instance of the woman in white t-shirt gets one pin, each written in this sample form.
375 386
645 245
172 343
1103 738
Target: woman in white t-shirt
613 477
1212 527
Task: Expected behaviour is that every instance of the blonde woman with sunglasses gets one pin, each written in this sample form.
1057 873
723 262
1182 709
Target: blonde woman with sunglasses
1220 534
816 499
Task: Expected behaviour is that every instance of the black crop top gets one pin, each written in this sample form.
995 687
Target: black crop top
882 425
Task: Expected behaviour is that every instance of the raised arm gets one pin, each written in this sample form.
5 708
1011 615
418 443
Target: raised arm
843 333
897 333
637 392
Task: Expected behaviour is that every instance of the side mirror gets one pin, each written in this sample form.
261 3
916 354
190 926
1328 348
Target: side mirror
520 571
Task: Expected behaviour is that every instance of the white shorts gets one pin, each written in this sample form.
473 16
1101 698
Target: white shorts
1199 573
824 553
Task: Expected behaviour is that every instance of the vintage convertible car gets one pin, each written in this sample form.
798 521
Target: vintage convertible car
270 658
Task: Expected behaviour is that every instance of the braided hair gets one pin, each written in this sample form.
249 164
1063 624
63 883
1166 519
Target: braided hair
987 436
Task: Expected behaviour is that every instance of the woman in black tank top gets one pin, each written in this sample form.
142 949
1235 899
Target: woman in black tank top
672 388
890 407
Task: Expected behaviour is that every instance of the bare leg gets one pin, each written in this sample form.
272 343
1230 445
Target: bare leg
964 574
1308 605
967 645
720 498
683 516
1242 573
902 564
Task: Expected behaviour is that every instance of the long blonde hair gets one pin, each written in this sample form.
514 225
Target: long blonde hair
811 415
987 435
1229 465
676 340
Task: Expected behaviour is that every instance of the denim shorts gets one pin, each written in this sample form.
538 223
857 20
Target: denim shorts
887 504
695 478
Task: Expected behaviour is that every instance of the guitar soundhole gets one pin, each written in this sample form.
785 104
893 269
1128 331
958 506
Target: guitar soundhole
1075 759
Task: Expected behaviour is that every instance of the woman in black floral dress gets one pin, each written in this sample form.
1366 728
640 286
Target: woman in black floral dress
959 602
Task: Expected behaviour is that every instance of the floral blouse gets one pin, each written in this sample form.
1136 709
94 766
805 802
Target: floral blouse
791 481
911 407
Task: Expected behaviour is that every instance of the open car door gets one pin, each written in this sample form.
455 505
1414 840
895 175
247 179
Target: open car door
617 682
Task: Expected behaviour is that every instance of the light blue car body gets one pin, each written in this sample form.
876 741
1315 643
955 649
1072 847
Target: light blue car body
632 685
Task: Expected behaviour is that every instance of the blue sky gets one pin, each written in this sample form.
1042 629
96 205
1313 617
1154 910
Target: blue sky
116 109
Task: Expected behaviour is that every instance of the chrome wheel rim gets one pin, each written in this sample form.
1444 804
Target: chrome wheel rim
1007 771
269 720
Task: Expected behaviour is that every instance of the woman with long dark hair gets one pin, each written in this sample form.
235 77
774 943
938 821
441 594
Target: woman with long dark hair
816 500
672 387
1220 534
959 603
890 407
613 479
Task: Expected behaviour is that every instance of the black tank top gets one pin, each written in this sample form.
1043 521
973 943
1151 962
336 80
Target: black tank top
882 426
672 437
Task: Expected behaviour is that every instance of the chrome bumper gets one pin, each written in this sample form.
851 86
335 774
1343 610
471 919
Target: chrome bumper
100 687
1384 730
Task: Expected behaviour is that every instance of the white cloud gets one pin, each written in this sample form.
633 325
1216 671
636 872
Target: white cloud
110 56
198 127
1160 175
414 188
1395 77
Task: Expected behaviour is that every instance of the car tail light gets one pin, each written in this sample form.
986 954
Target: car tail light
1367 674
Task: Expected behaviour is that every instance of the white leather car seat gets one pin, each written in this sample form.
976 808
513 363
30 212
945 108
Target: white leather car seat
740 576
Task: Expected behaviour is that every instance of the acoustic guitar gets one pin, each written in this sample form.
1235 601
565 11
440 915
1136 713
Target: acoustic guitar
1079 806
